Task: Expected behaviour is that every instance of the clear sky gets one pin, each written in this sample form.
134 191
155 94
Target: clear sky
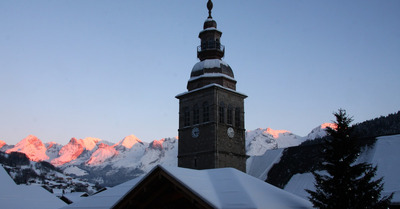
108 69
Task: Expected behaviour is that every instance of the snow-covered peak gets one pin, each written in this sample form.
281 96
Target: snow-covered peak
165 143
33 148
69 152
319 131
50 145
275 133
89 143
160 152
2 143
53 149
260 140
157 144
128 141
73 140
331 125
103 152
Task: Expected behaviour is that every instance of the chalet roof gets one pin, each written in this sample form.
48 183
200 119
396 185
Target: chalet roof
213 188
13 196
106 199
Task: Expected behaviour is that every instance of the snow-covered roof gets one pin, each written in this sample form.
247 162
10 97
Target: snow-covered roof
221 188
75 196
209 29
14 196
259 166
208 86
211 75
231 188
385 154
5 179
106 199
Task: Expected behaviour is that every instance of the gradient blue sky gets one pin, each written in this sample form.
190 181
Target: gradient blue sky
108 69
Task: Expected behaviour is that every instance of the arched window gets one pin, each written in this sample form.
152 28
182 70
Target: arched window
229 115
221 112
186 116
238 117
206 112
196 114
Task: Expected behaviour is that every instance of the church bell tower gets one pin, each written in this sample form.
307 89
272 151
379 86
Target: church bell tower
211 112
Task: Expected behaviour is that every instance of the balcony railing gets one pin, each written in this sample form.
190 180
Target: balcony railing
211 45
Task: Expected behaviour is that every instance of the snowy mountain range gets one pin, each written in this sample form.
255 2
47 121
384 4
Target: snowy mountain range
99 160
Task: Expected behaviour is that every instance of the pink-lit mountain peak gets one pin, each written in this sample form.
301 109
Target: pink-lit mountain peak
103 153
319 131
51 144
69 152
33 148
275 133
73 140
89 143
2 143
129 141
330 125
157 144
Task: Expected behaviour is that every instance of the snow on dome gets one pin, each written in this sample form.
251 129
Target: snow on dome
210 28
208 63
209 23
210 66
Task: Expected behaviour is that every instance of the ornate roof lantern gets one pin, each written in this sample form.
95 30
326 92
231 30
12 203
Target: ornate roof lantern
211 68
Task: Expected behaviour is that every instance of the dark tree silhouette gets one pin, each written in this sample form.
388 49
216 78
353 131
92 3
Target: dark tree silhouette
346 185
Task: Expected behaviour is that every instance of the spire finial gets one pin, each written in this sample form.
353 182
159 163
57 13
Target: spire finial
209 7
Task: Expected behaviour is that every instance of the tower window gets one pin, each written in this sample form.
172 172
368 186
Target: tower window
196 114
237 117
206 112
221 111
186 116
229 115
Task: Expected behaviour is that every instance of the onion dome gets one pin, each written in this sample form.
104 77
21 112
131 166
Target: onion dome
211 69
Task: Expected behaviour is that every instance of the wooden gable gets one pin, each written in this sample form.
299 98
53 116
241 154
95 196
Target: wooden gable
161 190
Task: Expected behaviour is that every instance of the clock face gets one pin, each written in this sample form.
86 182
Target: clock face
231 132
195 132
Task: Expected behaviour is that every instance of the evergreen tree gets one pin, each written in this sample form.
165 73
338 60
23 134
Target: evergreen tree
345 185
